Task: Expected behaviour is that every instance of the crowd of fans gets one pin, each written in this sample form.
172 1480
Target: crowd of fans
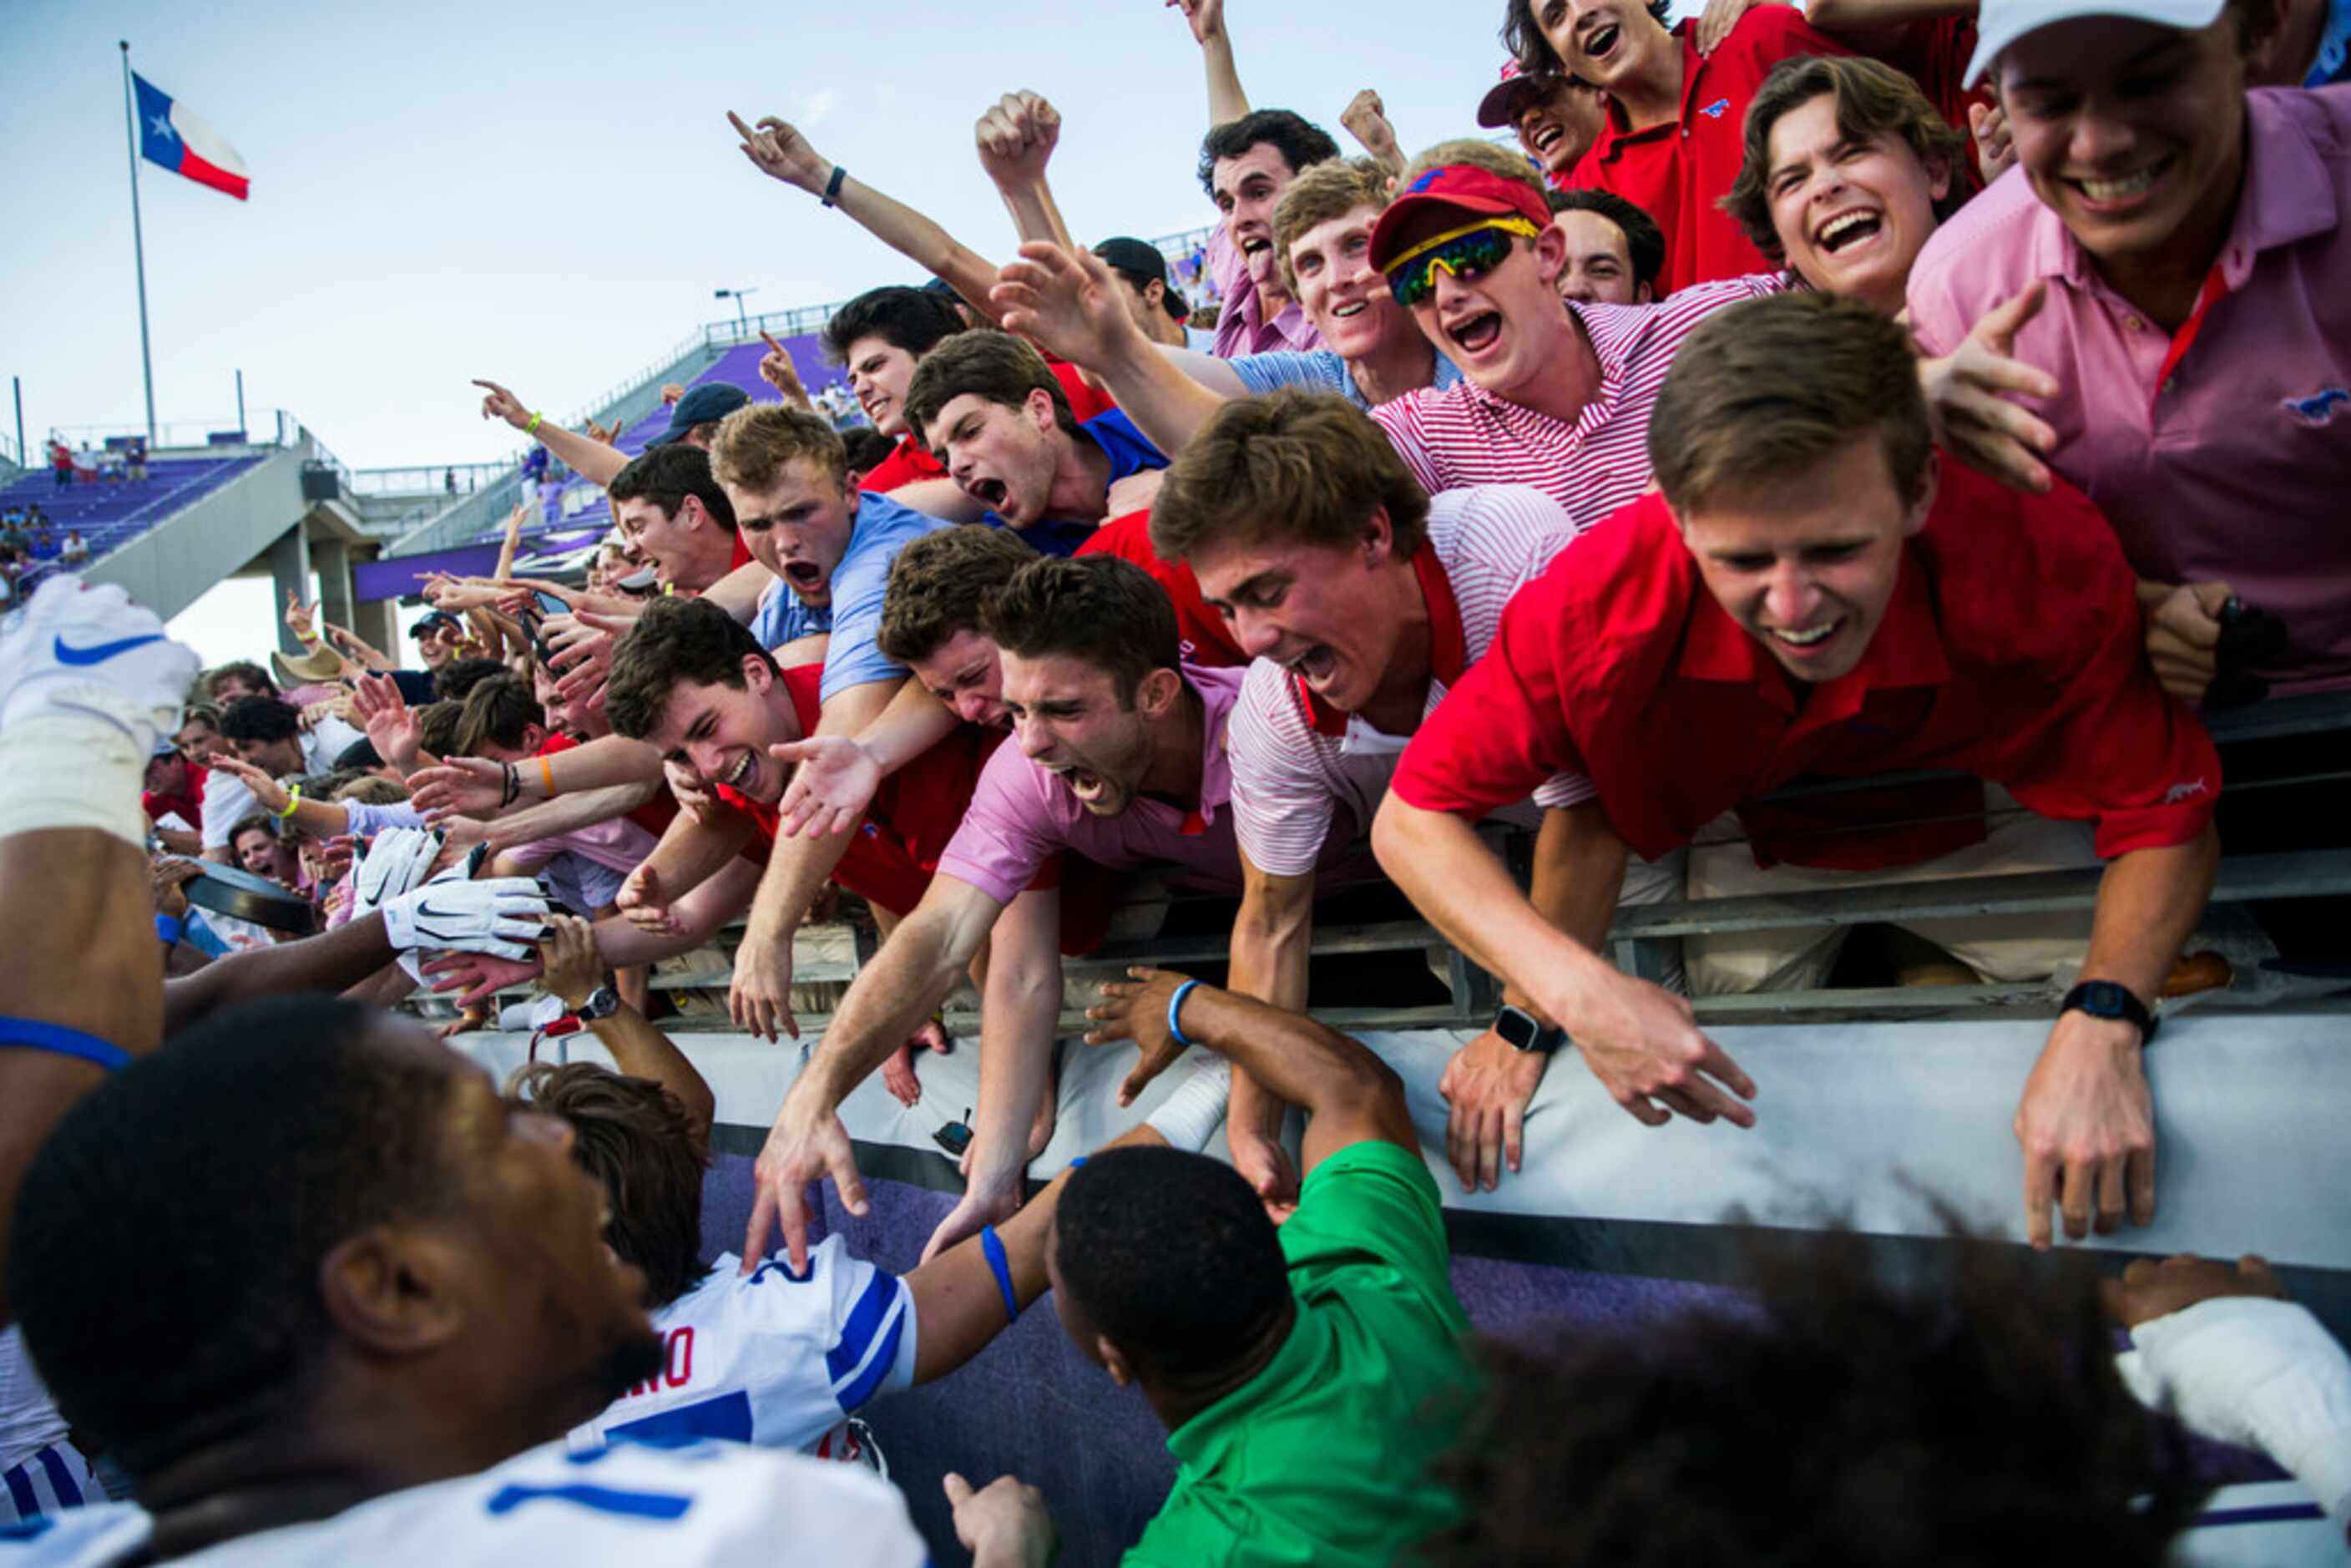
1940 398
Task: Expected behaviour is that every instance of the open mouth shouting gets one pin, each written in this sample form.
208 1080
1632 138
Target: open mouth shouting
806 578
1854 227
1316 665
1474 333
990 493
1602 42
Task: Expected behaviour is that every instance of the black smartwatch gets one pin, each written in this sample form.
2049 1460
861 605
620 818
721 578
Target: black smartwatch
602 1003
2105 1000
1522 1029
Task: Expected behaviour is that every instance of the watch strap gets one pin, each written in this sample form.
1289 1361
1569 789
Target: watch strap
2112 1000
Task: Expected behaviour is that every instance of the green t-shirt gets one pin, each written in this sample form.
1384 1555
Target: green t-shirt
1323 1457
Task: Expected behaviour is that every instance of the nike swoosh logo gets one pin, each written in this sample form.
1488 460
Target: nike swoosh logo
99 653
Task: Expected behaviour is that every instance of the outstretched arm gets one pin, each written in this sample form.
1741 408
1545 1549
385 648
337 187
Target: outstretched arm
639 1050
779 151
1350 1095
1069 303
958 1306
1226 101
592 460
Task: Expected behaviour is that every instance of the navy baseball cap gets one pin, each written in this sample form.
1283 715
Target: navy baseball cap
700 405
1145 260
435 622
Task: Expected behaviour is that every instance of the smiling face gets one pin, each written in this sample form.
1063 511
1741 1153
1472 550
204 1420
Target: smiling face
878 373
198 741
1807 564
2132 134
1067 719
1851 216
967 674
720 734
1558 127
257 851
1505 327
1245 188
1340 291
1608 43
1327 613
1598 268
1003 457
554 1319
276 758
799 527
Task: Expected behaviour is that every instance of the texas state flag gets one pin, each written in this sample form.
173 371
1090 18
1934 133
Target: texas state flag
171 134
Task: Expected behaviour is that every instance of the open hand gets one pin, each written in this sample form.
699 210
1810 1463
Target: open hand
1643 1044
805 1145
1069 305
1136 1009
833 779
1487 1084
1970 396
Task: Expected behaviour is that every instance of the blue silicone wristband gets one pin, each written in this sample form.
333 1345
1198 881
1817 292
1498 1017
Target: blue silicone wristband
168 930
991 1245
1175 1012
31 1034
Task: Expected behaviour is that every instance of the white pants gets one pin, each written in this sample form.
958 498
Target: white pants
2008 949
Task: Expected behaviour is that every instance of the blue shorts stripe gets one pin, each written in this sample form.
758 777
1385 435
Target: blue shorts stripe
20 1493
865 1320
61 1480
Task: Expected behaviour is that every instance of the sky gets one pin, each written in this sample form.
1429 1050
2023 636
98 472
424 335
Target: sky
548 197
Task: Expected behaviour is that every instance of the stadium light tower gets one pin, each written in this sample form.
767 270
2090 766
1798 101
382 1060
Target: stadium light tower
738 295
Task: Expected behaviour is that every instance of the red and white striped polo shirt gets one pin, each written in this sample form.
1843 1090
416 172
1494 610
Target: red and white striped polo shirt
1296 761
1466 436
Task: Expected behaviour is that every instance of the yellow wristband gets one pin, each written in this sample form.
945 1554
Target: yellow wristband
532 428
293 799
547 776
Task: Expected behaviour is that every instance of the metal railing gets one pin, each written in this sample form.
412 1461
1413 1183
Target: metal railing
263 427
445 479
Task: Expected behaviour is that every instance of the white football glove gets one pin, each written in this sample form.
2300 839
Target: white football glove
395 863
501 917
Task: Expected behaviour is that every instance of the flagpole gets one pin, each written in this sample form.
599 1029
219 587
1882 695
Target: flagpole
138 241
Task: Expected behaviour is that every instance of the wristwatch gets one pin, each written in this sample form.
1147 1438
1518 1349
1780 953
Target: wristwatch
602 1003
1524 1030
2105 1000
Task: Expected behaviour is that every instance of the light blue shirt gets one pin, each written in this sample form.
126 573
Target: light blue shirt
859 584
784 617
1317 369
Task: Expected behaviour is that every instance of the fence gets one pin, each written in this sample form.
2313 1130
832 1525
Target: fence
429 479
262 427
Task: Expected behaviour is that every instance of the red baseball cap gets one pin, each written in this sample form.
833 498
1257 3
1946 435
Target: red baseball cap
1464 188
1500 107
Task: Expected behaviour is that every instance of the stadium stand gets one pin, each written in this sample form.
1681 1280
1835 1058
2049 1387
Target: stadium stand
110 514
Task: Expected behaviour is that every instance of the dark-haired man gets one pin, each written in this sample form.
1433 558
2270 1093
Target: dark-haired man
1615 252
1557 117
270 734
1672 141
1306 1376
670 507
1120 759
989 405
1362 600
1246 160
1156 306
1815 592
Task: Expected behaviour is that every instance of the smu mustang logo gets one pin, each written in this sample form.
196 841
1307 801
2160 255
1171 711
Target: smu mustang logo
2319 407
1716 109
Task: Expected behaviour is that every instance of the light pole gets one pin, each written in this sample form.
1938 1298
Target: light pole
738 295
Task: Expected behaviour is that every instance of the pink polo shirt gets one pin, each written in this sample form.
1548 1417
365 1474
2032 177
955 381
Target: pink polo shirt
1021 816
2222 452
1241 326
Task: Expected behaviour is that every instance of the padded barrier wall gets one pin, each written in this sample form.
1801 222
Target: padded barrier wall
1610 1223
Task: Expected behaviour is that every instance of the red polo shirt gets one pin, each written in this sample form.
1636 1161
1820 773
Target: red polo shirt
1206 638
190 806
2010 650
911 461
1675 171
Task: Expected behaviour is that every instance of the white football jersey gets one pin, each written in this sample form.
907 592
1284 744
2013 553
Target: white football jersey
772 1358
706 1503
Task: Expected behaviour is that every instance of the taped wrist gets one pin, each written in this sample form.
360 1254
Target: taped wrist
1188 1117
